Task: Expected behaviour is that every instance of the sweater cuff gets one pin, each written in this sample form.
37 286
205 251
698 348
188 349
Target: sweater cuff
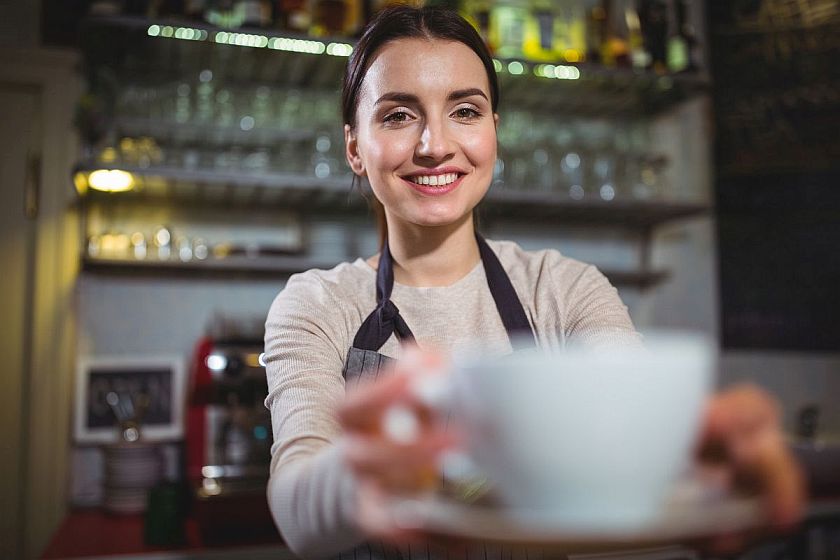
313 497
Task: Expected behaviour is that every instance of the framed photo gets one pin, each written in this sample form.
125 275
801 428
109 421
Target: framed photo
157 381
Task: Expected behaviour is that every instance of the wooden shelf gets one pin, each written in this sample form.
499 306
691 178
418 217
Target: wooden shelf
282 267
135 55
251 267
286 190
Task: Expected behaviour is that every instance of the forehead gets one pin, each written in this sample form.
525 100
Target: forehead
421 66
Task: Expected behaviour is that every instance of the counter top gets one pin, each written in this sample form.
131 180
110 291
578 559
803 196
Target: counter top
92 533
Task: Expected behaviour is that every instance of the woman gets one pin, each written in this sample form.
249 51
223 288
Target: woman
419 103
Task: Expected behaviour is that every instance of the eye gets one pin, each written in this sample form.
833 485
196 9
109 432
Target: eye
396 117
467 113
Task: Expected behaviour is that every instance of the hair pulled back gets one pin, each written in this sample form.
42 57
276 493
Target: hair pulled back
404 22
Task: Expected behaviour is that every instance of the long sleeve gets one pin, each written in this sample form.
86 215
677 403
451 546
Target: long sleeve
596 316
310 493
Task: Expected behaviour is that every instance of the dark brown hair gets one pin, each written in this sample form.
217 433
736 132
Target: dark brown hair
402 22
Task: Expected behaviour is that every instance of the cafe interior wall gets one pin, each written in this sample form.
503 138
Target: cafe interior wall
142 316
39 257
131 316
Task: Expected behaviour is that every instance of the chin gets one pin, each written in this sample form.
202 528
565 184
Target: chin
437 215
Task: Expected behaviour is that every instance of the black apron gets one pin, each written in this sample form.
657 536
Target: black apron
364 362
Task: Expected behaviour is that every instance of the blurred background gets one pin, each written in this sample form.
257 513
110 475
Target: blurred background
167 164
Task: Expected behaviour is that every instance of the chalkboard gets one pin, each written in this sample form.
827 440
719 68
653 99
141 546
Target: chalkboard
159 381
777 150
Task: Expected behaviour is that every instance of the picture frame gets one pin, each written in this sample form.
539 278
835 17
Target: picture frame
161 378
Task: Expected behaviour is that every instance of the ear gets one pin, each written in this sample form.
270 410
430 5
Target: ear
351 151
496 120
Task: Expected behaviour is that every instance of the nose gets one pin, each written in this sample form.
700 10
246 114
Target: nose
435 141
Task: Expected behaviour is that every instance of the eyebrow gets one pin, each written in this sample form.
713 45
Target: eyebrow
411 98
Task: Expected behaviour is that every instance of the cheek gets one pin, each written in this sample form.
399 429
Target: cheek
481 148
387 152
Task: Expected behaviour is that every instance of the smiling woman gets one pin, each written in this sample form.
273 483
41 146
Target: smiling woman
420 102
428 126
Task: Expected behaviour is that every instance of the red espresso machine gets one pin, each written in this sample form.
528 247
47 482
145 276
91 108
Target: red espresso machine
229 440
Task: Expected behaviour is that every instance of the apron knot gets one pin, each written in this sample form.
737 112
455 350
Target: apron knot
379 326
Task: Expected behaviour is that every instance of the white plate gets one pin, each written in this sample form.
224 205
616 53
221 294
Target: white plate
690 518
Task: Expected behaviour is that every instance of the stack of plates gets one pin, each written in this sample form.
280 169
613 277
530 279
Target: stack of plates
131 469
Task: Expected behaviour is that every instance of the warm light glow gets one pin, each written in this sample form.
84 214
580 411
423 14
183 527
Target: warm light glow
253 360
571 55
110 180
212 487
81 182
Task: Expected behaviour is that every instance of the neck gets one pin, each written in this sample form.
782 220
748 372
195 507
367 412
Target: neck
433 256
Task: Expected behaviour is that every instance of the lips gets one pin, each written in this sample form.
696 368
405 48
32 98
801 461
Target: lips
436 181
442 179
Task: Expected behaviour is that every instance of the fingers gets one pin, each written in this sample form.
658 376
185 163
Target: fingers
363 409
776 472
743 429
398 467
739 412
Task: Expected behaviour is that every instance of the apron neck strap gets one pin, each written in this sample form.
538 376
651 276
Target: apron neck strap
386 320
507 302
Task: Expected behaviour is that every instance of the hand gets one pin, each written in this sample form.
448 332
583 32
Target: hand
382 463
742 434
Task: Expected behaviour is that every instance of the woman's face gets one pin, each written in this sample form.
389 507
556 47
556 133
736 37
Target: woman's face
425 131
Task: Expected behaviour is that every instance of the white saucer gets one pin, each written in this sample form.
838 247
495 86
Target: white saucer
689 518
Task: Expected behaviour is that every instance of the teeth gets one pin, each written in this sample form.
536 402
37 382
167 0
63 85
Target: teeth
435 180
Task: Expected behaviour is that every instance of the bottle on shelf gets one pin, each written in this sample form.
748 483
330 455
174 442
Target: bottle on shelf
539 41
570 31
596 30
653 17
682 41
329 17
254 13
477 12
508 21
223 13
615 49
293 15
194 9
639 55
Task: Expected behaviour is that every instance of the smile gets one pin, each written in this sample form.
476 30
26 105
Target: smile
435 180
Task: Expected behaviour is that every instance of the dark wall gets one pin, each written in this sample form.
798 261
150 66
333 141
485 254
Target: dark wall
60 21
777 150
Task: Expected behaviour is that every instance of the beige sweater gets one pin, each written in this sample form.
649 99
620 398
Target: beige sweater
312 323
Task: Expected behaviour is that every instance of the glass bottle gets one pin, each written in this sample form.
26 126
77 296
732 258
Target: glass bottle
508 19
570 31
596 31
293 15
539 38
329 17
653 17
682 42
477 12
255 13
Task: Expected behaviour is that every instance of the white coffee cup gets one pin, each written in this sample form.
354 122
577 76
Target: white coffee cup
594 437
